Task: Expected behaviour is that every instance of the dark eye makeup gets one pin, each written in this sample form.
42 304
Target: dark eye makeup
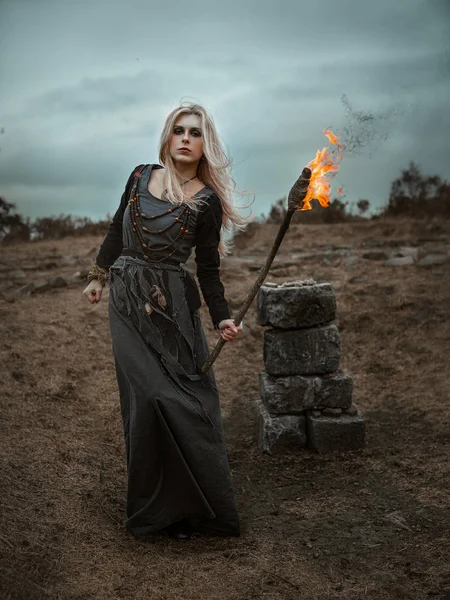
195 132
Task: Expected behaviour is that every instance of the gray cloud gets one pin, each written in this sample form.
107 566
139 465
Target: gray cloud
83 101
88 96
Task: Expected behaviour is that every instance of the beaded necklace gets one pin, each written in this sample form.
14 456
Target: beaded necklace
138 227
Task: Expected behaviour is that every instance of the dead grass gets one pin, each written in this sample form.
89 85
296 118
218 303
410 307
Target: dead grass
372 524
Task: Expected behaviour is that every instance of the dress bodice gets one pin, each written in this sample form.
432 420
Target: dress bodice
163 221
125 240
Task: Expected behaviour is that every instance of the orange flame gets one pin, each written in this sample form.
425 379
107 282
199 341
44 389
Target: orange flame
325 162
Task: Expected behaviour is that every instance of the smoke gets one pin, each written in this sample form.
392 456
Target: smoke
366 131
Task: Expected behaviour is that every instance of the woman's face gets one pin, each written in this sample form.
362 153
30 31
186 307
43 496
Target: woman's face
187 133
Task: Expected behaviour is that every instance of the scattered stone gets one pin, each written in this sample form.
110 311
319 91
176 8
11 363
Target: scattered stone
375 255
399 261
432 259
26 290
56 282
351 261
406 251
357 279
18 274
306 351
327 434
80 276
41 286
332 412
338 253
275 434
303 256
297 393
295 305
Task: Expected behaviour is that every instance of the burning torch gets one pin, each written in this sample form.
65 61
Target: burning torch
312 183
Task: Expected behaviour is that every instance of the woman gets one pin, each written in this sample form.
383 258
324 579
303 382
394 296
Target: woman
178 472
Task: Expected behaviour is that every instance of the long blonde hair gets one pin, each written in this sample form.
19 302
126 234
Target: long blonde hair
213 169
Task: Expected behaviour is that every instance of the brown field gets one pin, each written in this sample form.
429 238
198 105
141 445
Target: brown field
373 524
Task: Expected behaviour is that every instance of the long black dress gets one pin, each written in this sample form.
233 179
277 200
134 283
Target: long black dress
176 458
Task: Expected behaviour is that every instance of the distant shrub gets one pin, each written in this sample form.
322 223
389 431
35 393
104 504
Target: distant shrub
57 227
12 225
14 228
277 212
412 195
416 195
336 212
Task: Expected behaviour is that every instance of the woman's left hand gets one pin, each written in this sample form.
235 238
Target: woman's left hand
228 330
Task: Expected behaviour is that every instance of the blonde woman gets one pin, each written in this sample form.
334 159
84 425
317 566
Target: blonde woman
178 472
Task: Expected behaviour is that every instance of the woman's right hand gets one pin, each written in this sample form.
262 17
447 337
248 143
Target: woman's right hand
93 291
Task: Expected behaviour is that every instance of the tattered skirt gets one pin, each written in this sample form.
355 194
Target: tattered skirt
177 463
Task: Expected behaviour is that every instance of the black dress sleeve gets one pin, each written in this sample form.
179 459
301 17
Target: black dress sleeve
209 222
112 245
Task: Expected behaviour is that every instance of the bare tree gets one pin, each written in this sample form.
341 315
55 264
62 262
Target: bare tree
363 206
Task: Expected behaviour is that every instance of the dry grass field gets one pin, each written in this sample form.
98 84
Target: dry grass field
373 524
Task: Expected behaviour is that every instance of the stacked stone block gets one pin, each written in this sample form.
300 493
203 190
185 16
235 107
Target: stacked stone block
306 400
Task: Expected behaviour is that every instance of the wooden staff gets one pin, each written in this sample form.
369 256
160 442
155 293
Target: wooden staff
295 200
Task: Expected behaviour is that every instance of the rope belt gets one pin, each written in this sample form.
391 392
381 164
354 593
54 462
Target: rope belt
157 265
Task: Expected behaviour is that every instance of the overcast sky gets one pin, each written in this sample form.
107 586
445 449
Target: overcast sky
86 85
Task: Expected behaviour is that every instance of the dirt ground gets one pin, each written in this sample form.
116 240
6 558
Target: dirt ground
372 524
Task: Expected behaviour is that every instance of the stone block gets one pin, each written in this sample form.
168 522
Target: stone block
328 434
297 393
332 412
302 351
278 433
351 410
432 259
295 305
